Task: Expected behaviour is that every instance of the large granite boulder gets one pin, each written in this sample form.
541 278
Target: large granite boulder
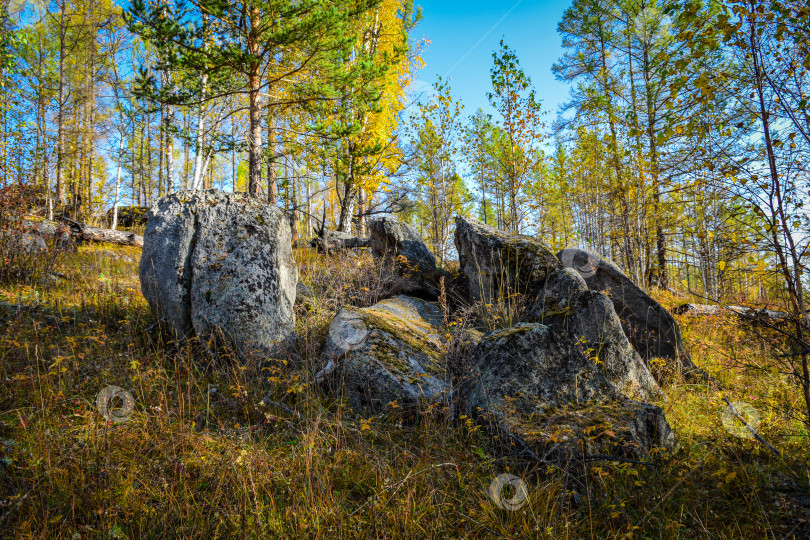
498 264
408 266
392 239
389 353
588 319
541 394
221 264
651 329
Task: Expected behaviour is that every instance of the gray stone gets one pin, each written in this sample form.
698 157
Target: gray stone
221 263
32 244
391 239
651 329
51 231
542 394
389 352
407 265
24 238
587 319
558 292
498 264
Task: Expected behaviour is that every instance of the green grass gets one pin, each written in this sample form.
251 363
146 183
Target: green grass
202 457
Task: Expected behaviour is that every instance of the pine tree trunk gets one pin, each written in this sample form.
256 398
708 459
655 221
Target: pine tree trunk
272 180
254 81
255 143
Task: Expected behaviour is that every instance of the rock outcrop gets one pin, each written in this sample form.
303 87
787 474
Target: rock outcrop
542 395
410 265
392 239
38 235
386 354
588 319
498 264
221 263
651 329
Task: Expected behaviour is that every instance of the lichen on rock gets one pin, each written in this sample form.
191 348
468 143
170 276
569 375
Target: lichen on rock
541 391
388 353
221 264
497 263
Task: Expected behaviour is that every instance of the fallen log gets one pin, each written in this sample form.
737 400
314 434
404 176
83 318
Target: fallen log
715 311
85 233
332 241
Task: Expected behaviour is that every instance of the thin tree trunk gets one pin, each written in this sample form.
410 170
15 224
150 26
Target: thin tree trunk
233 153
792 278
361 212
309 206
254 80
348 201
60 115
186 125
293 197
149 182
118 175
272 179
161 149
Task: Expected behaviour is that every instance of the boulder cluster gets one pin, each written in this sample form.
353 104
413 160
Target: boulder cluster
570 378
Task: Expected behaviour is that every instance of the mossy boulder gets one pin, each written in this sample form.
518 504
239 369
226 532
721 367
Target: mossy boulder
389 355
498 264
543 395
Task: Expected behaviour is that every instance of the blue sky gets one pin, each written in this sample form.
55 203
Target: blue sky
454 27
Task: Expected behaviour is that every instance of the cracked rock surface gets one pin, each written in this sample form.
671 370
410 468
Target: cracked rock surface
651 329
389 352
498 263
544 395
218 262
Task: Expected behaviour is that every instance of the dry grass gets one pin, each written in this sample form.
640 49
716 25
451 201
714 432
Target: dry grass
203 456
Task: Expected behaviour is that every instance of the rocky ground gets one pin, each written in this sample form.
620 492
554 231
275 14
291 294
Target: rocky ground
354 389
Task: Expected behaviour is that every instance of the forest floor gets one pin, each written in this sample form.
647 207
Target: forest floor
203 456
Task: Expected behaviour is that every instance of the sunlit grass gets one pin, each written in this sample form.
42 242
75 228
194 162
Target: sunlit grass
202 456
